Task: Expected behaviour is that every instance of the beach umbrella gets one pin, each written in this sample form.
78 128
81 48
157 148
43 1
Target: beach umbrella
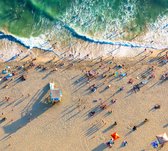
123 74
115 136
4 71
162 138
116 74
10 75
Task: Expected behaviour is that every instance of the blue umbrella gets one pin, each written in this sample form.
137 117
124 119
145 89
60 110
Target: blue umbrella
4 71
10 75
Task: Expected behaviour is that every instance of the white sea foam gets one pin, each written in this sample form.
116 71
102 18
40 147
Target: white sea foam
40 42
157 33
155 37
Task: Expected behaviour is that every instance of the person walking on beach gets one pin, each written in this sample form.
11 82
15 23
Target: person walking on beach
157 106
124 143
110 142
113 101
121 89
134 128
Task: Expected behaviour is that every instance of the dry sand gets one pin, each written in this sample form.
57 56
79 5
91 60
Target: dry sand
33 125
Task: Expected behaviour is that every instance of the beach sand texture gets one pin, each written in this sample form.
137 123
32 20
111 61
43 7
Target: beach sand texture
33 125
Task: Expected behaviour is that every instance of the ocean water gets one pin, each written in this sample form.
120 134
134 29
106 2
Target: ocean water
94 27
104 19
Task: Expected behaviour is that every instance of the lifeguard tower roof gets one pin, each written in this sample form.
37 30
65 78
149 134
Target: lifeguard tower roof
56 94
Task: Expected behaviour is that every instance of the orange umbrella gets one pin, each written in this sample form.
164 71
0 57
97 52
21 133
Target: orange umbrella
115 136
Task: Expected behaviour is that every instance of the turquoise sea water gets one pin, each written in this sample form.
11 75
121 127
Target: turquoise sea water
27 18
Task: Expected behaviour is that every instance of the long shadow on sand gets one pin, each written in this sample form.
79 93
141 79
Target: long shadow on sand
108 128
166 125
101 147
33 109
93 129
137 126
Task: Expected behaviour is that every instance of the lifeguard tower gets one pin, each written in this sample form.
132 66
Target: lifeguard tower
55 93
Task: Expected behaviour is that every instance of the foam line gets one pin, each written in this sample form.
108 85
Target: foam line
91 40
28 44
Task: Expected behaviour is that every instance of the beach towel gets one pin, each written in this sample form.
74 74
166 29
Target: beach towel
155 144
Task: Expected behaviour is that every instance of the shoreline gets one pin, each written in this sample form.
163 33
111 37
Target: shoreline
155 39
79 50
91 75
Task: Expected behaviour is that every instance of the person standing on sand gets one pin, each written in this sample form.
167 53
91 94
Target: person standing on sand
130 81
7 99
134 128
157 106
114 124
110 111
113 101
121 89
109 69
104 123
108 86
92 113
110 142
124 143
146 120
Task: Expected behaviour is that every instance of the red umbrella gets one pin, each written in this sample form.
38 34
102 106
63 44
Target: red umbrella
115 136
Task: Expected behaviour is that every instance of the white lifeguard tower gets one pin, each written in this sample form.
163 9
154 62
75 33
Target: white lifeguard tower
55 93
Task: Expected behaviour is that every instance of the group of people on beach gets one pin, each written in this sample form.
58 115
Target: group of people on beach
148 75
112 70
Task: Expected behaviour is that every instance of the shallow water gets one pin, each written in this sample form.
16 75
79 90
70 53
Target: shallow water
106 19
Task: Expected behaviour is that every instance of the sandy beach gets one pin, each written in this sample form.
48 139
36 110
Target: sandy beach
83 120
84 75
